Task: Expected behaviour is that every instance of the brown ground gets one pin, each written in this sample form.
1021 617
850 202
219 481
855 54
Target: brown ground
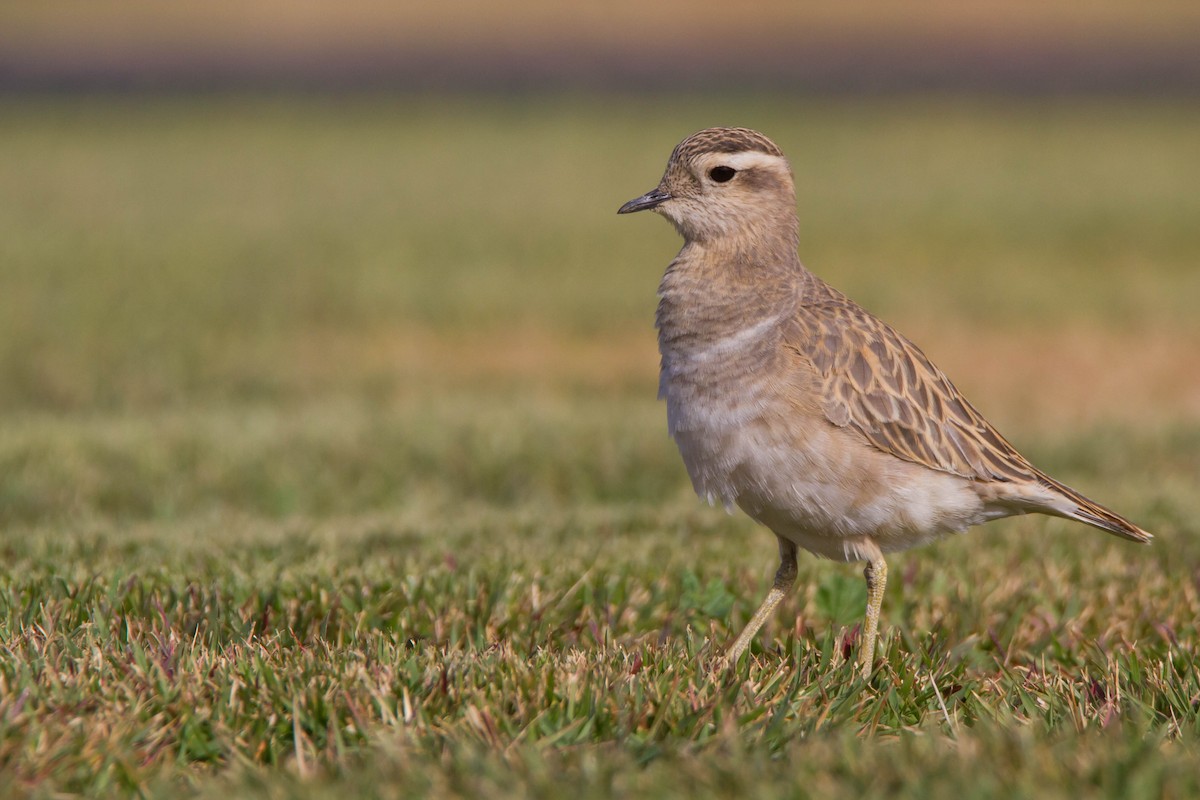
1078 377
472 44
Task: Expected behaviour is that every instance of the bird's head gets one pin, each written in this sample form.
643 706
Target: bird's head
723 182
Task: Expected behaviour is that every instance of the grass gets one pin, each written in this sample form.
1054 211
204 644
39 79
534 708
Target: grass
330 464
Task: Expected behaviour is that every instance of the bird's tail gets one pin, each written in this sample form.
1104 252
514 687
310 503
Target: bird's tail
1078 507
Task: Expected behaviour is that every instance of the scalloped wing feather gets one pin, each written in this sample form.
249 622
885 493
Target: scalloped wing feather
880 384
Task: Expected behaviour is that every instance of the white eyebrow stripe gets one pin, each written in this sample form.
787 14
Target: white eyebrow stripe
747 159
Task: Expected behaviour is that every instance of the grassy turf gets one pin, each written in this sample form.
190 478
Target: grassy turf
330 464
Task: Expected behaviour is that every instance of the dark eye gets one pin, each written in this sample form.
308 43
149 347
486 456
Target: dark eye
722 174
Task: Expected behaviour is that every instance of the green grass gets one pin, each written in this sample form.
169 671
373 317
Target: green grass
330 463
191 251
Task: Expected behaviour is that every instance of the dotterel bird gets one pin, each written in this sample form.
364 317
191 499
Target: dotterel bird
789 400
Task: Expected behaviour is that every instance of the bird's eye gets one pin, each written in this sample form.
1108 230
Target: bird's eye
722 174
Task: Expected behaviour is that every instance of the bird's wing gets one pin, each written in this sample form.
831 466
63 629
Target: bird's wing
878 383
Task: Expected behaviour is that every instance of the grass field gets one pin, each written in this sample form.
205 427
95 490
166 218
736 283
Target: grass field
330 464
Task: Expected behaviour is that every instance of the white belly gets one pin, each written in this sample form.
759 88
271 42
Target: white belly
820 486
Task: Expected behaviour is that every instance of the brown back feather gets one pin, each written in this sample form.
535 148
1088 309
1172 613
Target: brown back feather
880 384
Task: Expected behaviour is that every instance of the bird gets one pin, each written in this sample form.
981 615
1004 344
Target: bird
793 403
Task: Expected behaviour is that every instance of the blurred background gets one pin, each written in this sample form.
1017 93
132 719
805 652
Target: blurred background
328 376
536 45
287 227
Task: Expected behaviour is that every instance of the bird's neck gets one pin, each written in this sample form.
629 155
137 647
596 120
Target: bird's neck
717 289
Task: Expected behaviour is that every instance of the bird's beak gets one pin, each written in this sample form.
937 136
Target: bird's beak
650 199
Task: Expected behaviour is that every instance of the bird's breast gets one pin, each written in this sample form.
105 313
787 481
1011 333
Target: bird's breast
751 434
715 389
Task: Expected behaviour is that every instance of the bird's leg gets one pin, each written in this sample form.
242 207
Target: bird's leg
876 575
785 576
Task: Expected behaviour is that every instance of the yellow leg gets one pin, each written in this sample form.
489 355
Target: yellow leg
784 578
876 575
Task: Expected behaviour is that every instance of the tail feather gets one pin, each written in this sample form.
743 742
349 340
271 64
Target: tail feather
1084 510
